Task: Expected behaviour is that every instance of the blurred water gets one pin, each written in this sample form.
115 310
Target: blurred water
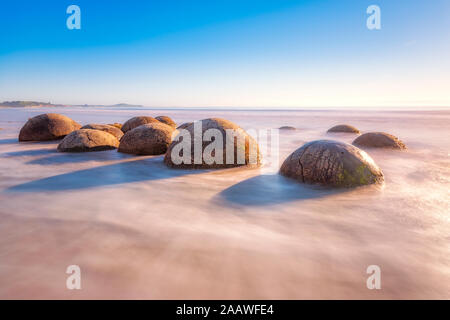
140 230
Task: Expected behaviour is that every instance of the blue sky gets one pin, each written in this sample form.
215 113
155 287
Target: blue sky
227 53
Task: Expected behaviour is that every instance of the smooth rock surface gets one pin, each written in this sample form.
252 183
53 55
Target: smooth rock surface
116 124
85 140
48 126
147 139
167 120
116 132
136 122
184 125
287 128
345 128
379 140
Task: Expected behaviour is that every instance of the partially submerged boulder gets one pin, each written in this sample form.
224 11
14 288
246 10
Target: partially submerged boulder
106 128
136 122
167 120
85 140
48 126
331 163
344 128
379 140
287 128
147 139
212 143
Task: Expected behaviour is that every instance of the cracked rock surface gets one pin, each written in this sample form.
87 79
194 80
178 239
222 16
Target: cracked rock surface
379 140
136 122
245 149
147 139
48 126
331 163
85 140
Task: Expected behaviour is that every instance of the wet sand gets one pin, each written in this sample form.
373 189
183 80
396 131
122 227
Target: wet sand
140 230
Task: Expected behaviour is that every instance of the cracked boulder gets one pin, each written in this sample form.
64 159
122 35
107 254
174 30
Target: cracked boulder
379 140
85 140
136 122
212 144
148 139
48 126
344 128
116 132
331 163
167 120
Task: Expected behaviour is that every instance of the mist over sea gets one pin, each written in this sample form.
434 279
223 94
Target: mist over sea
138 229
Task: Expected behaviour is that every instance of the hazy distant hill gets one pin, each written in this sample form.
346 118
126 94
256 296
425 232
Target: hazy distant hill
22 104
125 105
119 105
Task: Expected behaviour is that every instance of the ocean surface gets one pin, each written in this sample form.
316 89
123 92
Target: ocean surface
138 229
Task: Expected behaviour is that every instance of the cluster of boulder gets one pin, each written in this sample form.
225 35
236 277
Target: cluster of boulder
339 164
370 139
325 162
139 135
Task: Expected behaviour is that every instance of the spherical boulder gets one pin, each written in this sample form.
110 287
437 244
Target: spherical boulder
116 124
184 125
331 163
85 140
344 128
210 144
378 140
287 128
167 120
147 139
48 126
106 128
136 122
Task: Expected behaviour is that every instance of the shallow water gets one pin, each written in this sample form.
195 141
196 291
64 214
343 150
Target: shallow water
140 230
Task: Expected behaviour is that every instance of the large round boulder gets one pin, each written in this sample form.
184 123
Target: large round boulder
212 143
48 126
147 139
136 122
331 163
344 128
167 120
379 140
116 132
85 140
184 125
116 124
